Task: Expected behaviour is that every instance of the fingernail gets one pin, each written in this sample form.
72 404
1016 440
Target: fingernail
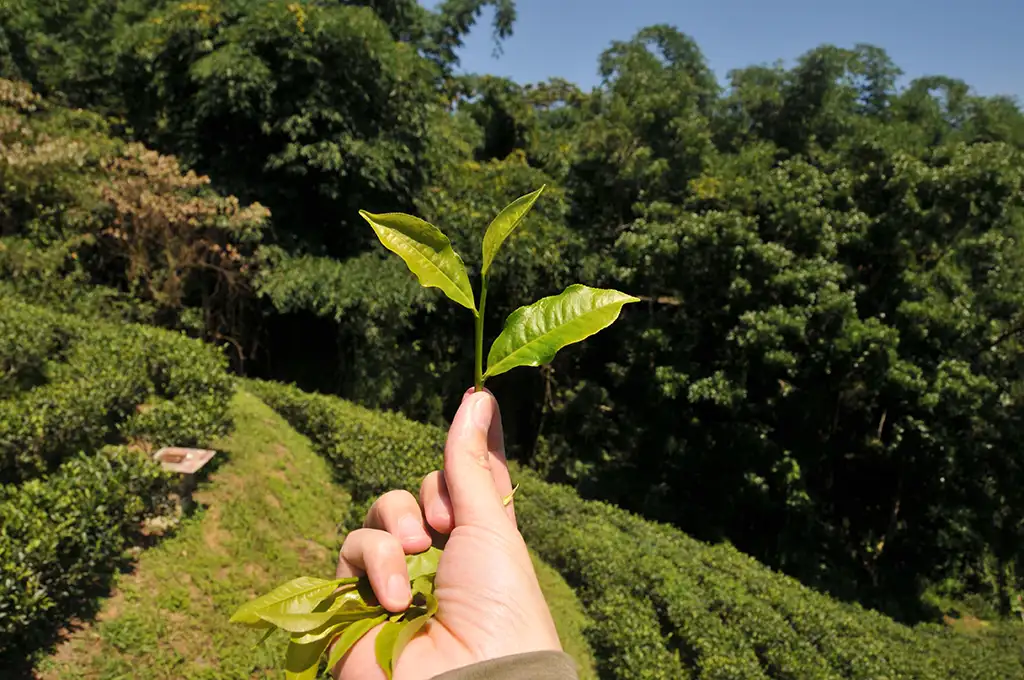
483 412
410 528
398 588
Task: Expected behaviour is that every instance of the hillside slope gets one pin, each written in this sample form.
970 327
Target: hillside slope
268 513
663 605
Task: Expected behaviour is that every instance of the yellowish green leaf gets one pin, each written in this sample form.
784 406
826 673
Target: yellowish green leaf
533 334
301 662
427 252
351 635
423 564
298 595
505 223
385 645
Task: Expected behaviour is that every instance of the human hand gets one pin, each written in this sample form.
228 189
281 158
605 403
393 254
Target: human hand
489 601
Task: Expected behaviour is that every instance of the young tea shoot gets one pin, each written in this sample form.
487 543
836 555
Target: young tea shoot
317 613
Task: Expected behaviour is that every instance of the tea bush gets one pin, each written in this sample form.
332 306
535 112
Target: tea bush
662 605
63 535
85 383
69 502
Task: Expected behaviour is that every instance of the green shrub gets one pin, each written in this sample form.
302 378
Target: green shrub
29 337
68 388
64 535
93 388
662 605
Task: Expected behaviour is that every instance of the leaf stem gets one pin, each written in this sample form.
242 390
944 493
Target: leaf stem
478 376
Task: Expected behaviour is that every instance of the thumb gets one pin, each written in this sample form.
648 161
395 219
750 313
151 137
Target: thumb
474 462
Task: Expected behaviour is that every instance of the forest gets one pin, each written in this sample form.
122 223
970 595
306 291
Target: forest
824 372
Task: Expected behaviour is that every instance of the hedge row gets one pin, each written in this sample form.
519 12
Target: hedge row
63 535
82 383
29 339
661 604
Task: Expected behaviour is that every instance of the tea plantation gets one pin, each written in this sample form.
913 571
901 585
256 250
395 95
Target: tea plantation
79 400
661 605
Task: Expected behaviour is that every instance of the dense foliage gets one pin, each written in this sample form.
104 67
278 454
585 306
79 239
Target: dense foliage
82 404
825 370
93 225
662 605
63 537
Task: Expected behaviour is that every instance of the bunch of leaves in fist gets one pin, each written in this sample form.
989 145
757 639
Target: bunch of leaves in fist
317 612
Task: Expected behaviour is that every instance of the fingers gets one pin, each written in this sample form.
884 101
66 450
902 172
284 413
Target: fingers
380 556
437 504
475 470
398 513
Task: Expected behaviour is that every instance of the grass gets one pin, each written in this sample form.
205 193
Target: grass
267 514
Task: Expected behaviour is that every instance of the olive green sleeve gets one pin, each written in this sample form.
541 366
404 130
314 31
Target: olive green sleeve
532 666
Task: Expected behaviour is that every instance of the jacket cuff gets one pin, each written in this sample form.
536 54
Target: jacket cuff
531 666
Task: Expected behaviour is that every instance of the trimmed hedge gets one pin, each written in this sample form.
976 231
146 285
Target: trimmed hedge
86 380
64 535
662 605
68 389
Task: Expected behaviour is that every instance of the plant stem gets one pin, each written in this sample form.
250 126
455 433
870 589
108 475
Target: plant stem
478 377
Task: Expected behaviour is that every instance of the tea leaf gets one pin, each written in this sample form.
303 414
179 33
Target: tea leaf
423 585
301 594
351 635
412 626
353 601
385 646
423 564
533 334
327 630
505 223
427 252
304 623
301 662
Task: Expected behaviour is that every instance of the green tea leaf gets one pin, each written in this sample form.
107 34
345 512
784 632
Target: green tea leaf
298 595
423 585
533 334
351 635
412 626
385 646
306 622
327 630
423 564
427 252
505 223
301 662
353 601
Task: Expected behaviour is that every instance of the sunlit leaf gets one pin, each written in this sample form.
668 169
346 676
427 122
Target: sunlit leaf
413 624
533 334
351 635
327 630
385 645
423 563
302 661
298 595
306 622
505 223
427 252
354 601
423 585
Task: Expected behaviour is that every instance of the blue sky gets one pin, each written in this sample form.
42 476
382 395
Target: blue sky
978 41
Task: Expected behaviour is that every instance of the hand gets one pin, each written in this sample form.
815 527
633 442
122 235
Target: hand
489 601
